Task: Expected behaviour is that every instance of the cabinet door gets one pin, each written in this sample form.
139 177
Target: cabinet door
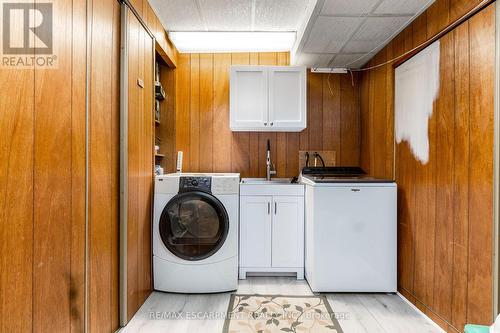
288 231
248 98
255 231
287 98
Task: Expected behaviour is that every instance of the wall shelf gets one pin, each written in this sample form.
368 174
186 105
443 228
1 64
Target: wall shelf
165 119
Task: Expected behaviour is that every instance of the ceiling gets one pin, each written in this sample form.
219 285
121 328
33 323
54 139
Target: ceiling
348 33
330 33
231 15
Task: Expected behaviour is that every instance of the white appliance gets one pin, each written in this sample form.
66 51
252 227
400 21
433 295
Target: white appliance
351 234
195 233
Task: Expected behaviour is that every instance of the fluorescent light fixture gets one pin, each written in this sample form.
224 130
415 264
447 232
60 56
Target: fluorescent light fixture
231 41
329 70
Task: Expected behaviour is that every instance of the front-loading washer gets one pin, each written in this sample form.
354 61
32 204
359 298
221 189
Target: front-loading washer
195 232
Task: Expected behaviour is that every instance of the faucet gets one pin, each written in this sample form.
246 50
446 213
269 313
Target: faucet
270 169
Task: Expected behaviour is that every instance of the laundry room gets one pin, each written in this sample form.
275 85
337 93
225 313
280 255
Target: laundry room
252 166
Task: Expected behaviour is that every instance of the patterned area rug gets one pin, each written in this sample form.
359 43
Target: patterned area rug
277 313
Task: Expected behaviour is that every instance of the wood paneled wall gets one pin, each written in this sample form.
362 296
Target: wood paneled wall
164 45
104 136
43 163
42 193
43 183
17 125
202 119
140 164
445 207
377 87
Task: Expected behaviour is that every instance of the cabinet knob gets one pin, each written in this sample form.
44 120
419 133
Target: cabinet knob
271 124
265 124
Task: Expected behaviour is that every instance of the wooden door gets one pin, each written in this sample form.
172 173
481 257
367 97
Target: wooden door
137 164
287 231
255 231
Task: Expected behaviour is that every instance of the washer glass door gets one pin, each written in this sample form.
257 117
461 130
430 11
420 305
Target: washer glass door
194 225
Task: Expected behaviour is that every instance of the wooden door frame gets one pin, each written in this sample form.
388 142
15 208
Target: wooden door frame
496 167
124 24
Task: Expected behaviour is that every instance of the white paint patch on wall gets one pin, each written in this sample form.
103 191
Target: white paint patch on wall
416 89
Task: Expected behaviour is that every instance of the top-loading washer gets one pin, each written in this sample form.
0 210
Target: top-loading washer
350 230
195 232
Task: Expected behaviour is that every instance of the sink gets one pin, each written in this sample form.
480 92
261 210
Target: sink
261 181
275 186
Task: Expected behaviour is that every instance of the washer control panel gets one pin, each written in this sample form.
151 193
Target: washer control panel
194 183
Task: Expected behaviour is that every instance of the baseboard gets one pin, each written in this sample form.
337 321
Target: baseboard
421 313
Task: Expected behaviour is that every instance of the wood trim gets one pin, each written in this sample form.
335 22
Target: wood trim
167 51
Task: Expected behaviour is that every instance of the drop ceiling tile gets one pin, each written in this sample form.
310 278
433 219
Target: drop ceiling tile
178 15
399 7
351 60
357 46
227 15
314 59
335 46
279 15
329 34
380 28
348 7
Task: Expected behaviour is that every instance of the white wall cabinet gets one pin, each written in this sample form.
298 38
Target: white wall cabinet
271 234
249 95
268 98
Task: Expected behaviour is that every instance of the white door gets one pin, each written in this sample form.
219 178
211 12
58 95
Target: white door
255 231
288 231
248 98
287 98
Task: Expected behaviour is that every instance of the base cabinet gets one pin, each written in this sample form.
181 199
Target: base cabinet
255 231
271 235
